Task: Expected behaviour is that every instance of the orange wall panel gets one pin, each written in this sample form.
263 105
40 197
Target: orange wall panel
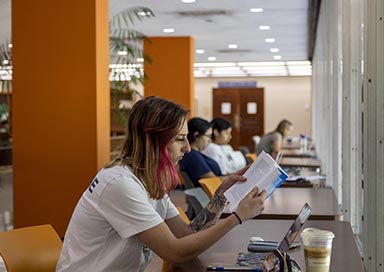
171 73
60 105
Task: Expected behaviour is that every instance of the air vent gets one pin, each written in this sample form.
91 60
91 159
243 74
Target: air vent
204 13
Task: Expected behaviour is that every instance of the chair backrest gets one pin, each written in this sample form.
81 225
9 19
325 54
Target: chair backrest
167 267
197 199
187 182
251 157
210 185
256 139
31 249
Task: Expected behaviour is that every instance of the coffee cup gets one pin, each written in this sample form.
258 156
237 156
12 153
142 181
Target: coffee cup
317 249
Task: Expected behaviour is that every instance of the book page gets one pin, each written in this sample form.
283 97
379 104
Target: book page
264 173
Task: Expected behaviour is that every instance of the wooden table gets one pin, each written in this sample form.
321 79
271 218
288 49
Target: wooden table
300 162
286 203
345 255
296 153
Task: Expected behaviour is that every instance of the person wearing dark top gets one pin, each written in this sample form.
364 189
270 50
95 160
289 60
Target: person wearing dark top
196 164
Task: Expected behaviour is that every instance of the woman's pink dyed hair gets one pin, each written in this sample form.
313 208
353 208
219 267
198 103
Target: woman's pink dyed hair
152 124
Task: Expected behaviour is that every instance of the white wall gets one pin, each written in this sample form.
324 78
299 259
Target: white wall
285 97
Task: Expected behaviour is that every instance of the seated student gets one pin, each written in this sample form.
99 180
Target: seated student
196 164
220 150
272 141
126 211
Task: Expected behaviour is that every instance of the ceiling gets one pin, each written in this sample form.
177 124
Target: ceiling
214 24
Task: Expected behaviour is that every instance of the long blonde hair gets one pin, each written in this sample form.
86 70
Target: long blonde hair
153 122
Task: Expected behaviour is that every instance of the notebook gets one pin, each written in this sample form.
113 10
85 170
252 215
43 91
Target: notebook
254 260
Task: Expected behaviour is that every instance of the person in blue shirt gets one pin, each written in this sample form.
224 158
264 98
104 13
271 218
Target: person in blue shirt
196 164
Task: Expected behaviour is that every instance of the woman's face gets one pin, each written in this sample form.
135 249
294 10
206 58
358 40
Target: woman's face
179 145
223 137
287 130
202 140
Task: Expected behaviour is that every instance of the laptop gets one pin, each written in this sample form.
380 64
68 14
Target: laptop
254 260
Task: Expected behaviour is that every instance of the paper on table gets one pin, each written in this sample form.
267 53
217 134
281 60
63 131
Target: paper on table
264 173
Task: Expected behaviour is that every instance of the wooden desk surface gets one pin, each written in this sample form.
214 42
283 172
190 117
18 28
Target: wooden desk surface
345 255
296 153
286 203
300 162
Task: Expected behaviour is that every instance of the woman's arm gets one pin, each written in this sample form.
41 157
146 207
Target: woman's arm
169 247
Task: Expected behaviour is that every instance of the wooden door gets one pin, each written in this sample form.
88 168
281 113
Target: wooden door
244 108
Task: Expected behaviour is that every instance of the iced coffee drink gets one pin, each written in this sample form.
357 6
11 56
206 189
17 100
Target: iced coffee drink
317 249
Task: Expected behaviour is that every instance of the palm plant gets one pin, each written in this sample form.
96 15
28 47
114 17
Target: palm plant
125 48
5 67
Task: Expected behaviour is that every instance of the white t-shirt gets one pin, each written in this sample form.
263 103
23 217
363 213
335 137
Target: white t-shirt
102 233
214 151
228 159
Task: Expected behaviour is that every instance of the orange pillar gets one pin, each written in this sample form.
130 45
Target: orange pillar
171 73
60 105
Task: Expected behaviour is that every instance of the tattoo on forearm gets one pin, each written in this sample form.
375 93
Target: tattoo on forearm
210 214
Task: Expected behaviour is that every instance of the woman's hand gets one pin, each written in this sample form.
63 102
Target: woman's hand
251 205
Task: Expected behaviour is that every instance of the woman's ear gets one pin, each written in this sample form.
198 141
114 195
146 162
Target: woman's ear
216 133
196 135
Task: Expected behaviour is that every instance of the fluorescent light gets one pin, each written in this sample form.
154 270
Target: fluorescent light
274 50
256 10
269 40
168 30
140 59
264 27
232 46
122 53
5 62
200 51
216 64
188 1
211 58
277 57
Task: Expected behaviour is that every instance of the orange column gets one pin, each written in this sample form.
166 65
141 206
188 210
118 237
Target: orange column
171 73
60 105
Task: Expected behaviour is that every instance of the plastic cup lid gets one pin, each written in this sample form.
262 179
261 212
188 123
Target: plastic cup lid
317 233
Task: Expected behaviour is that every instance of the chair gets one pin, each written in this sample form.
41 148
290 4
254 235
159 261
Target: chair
31 249
166 266
197 199
256 139
187 182
251 157
210 185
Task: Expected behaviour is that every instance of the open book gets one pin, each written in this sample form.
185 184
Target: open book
264 173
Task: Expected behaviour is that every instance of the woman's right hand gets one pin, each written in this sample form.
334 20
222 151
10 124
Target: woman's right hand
251 205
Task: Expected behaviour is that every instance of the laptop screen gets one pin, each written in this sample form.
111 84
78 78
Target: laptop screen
295 228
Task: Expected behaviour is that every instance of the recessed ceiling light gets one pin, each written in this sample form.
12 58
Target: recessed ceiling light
168 30
277 57
264 27
5 62
274 50
188 1
270 40
10 45
256 10
200 51
211 58
145 14
232 46
140 59
122 53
